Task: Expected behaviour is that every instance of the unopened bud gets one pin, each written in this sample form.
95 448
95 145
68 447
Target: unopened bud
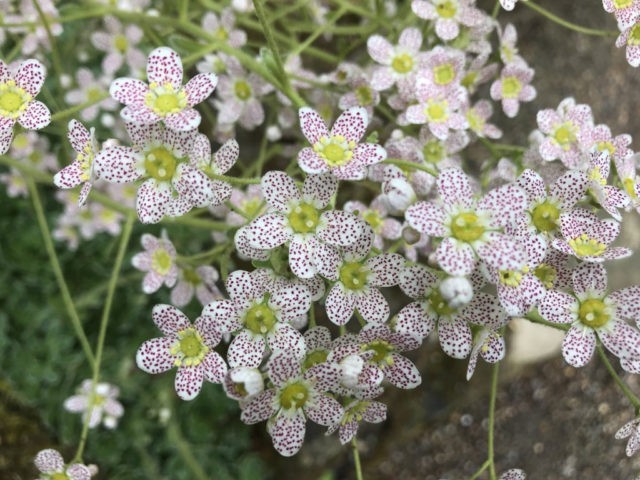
457 291
410 235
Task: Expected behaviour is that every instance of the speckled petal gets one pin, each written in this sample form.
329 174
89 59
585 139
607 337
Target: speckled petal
380 49
284 338
6 135
415 280
49 461
455 337
214 367
227 155
154 355
268 231
287 433
386 269
200 87
590 278
569 188
366 154
279 189
456 258
189 382
129 91
35 117
627 302
312 125
30 76
555 307
339 228
454 188
117 164
414 320
426 217
152 201
320 188
77 471
578 346
351 124
246 350
183 121
164 66
301 258
169 319
373 306
310 162
402 373
69 177
259 407
325 411
340 305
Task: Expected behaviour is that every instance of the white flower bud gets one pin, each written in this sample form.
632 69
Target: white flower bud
400 194
250 378
351 368
273 133
457 291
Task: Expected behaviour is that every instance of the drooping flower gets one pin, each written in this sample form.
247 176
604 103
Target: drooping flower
81 170
165 98
514 473
338 151
186 346
625 11
297 394
51 466
301 220
17 100
609 197
513 87
158 260
99 403
592 313
508 5
355 412
630 430
630 37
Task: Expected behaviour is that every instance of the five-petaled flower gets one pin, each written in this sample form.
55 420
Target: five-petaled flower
158 260
186 346
98 403
164 99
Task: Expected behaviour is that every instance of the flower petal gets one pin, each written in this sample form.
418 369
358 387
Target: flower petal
129 91
259 407
214 367
556 307
325 411
154 356
200 87
189 382
426 217
340 305
268 231
246 350
152 201
279 189
310 162
373 306
49 461
351 124
578 346
30 76
288 432
339 228
35 117
455 337
164 66
312 125
402 373
454 188
183 121
169 319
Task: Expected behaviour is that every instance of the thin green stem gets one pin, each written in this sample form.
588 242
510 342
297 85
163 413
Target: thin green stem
356 459
479 472
236 180
492 419
106 313
496 9
55 56
77 108
635 401
319 31
571 26
535 317
184 450
411 165
57 271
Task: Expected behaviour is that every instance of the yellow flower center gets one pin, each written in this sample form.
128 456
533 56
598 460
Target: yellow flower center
634 35
260 319
439 304
402 63
356 412
191 276
221 34
85 158
476 123
364 95
437 111
189 349
512 278
595 175
447 9
546 274
594 313
335 150
469 80
13 99
121 43
565 135
353 275
433 151
381 351
242 90
467 227
545 216
315 358
511 87
294 396
59 476
161 261
619 4
160 164
606 146
94 94
444 74
373 218
164 99
630 187
304 218
585 246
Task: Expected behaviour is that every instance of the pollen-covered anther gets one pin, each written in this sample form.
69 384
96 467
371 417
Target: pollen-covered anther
13 99
586 246
164 99
189 349
335 150
594 312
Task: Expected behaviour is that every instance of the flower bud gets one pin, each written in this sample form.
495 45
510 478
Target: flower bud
457 291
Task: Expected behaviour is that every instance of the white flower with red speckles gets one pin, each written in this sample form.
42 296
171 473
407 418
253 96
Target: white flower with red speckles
469 228
448 15
158 260
368 410
626 170
477 116
259 316
99 404
338 151
81 170
297 395
514 473
17 100
513 87
168 162
51 465
357 278
299 219
164 99
609 197
629 39
626 12
377 216
592 313
186 346
439 110
587 237
243 383
630 430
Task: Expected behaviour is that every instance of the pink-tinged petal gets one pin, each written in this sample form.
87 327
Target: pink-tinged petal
411 39
577 222
402 373
301 258
455 337
117 164
183 121
372 305
259 407
78 135
366 154
325 258
129 91
590 278
310 162
320 188
169 319
214 367
351 171
380 49
49 461
340 305
291 301
189 382
154 356
227 155
35 117
182 293
578 346
347 432
140 114
6 135
312 125
386 269
455 258
288 432
614 253
627 302
30 76
556 307
283 367
505 203
268 231
286 339
164 66
414 320
426 217
325 411
279 189
69 177
200 87
415 280
224 315
416 114
152 201
246 350
454 188
76 403
339 228
351 124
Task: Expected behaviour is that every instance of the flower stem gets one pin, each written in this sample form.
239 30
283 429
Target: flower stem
55 57
564 23
405 165
479 472
184 449
106 312
356 459
535 317
635 401
77 108
57 271
492 419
